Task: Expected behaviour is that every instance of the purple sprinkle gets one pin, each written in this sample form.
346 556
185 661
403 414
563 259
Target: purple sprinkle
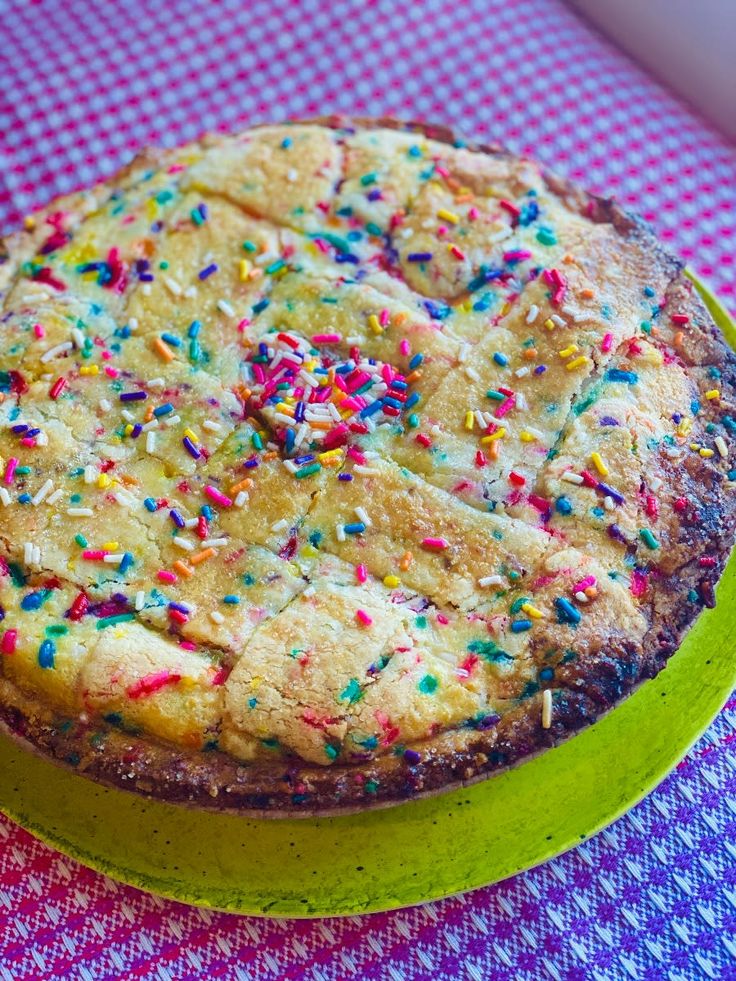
299 411
375 195
615 532
345 476
20 428
191 448
177 518
133 396
203 210
610 492
299 460
609 421
137 430
208 270
249 464
411 756
419 257
146 277
179 606
540 369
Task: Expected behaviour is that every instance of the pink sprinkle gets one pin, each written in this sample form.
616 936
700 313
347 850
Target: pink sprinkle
473 213
584 584
245 322
28 441
383 317
10 469
361 573
175 168
441 618
165 576
107 355
38 330
217 496
505 406
321 244
405 348
679 318
362 617
607 343
10 638
442 171
111 372
94 555
326 338
639 582
152 683
188 645
438 543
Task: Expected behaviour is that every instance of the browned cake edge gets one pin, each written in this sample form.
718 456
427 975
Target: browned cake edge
582 691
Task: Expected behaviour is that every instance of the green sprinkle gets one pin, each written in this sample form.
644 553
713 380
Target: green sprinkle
308 471
274 267
331 751
257 441
373 229
371 786
56 630
249 246
545 236
428 684
196 216
352 692
370 178
413 421
163 264
493 394
111 621
648 538
81 541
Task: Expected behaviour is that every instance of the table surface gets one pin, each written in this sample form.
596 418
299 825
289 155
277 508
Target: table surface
655 895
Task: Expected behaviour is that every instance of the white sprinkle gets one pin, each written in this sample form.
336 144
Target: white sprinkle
172 286
113 558
217 617
463 353
170 421
42 491
721 446
133 323
191 522
655 483
214 542
340 532
152 424
79 512
480 418
581 597
146 289
156 383
124 499
105 405
190 291
472 373
290 466
28 553
280 525
77 337
608 503
571 477
362 515
291 175
240 498
487 581
521 372
558 320
214 427
546 708
532 314
364 471
183 543
127 415
150 441
90 474
140 600
5 496
224 307
309 591
53 498
42 440
53 352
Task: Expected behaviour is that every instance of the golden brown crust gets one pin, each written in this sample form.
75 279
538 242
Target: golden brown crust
582 690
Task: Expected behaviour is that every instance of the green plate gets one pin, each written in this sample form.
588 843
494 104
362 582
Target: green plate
407 854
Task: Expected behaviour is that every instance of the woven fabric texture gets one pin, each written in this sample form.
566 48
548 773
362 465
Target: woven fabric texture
84 86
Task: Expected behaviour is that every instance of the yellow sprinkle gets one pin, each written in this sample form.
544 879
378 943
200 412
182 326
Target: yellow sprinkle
576 363
103 481
599 464
129 429
549 324
532 611
151 208
309 552
567 351
29 223
466 307
469 419
285 408
713 393
684 427
89 369
391 581
374 324
244 270
111 546
505 309
499 434
526 437
695 446
193 436
186 681
450 216
330 456
706 453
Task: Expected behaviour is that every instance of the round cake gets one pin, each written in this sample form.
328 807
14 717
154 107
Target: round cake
342 462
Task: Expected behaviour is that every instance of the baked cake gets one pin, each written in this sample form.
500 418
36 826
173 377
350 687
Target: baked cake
341 462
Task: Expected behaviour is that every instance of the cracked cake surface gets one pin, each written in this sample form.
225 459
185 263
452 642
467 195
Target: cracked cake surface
343 461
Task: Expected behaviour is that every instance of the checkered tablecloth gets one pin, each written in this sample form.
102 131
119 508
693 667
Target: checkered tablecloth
84 85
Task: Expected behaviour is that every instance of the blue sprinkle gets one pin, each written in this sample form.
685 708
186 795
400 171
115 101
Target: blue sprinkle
563 505
412 400
519 626
345 476
566 612
126 562
355 528
163 410
24 499
208 270
261 305
150 504
194 328
46 654
618 375
231 598
177 518
501 359
171 339
414 363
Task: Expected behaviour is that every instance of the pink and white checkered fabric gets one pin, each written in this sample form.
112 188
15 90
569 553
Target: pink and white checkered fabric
84 86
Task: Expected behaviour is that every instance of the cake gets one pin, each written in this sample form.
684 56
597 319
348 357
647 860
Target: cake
343 462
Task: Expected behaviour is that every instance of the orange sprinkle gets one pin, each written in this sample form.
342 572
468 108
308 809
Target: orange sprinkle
530 353
183 569
406 560
271 455
149 413
414 376
128 480
587 293
493 449
568 258
318 424
399 318
245 484
202 556
162 349
679 338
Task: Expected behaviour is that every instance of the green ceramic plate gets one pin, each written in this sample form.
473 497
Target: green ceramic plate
407 854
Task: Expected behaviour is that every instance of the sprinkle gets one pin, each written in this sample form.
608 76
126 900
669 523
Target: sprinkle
217 496
520 626
105 622
42 492
9 642
208 271
363 618
57 388
419 256
576 363
54 352
151 683
617 375
546 708
599 464
486 581
500 359
444 215
648 538
391 581
532 611
162 349
713 393
721 446
224 307
46 653
566 612
607 343
437 544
